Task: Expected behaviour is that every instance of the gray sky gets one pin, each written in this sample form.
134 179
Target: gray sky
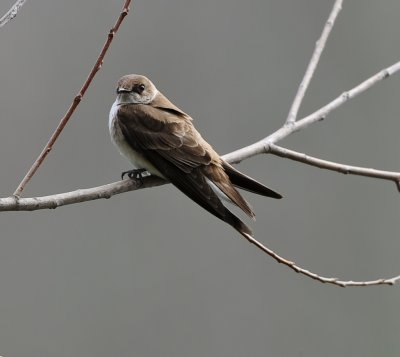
149 273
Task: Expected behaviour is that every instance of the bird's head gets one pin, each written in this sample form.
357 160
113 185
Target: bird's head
135 89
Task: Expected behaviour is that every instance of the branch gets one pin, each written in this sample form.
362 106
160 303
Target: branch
261 147
319 47
49 146
322 279
15 203
334 166
10 14
107 191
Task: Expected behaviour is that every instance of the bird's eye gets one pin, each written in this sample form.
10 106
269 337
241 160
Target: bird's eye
140 88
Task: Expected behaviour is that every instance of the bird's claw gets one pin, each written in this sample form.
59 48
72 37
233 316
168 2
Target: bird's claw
135 174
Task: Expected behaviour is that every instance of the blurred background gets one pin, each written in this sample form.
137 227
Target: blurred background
150 273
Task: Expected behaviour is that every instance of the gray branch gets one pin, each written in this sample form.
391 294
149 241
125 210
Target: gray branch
15 203
261 147
334 166
319 47
10 14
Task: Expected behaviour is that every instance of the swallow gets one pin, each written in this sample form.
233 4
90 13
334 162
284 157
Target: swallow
158 137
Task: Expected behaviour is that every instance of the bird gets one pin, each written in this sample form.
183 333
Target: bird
158 137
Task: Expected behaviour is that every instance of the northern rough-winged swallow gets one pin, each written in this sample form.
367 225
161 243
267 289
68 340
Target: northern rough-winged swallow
158 137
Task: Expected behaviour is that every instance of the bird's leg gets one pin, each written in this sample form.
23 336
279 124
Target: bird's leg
134 174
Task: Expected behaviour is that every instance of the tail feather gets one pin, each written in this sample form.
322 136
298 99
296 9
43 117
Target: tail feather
235 197
247 183
197 188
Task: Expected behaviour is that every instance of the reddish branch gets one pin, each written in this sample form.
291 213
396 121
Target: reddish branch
75 102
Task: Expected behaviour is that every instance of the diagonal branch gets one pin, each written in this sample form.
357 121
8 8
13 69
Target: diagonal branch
319 47
334 166
49 146
261 147
10 14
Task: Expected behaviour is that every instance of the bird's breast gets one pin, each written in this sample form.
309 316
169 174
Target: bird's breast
138 160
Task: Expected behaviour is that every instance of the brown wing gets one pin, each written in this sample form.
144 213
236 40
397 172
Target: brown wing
167 138
169 133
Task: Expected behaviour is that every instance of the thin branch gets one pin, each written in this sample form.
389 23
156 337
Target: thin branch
336 103
49 146
15 203
319 47
261 147
107 191
322 279
10 14
334 166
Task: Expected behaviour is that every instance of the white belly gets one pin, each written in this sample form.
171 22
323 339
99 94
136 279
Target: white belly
135 158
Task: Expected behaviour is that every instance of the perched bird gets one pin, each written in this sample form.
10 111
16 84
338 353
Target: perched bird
158 137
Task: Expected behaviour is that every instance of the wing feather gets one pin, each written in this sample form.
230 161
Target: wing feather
172 144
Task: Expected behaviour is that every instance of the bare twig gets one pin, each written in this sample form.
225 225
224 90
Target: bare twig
75 102
322 279
107 191
261 146
334 166
14 203
319 47
10 14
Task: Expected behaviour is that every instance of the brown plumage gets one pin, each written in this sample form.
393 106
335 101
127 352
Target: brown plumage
163 137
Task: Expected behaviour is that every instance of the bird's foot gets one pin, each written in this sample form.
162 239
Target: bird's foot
136 174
